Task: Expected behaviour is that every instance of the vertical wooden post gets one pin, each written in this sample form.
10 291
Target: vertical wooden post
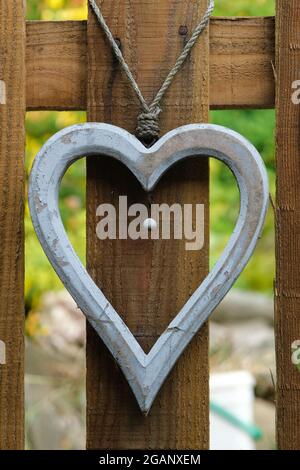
287 324
147 282
12 144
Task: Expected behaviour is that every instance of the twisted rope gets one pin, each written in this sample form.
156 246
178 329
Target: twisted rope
148 121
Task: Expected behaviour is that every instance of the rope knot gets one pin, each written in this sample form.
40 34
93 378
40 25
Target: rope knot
148 126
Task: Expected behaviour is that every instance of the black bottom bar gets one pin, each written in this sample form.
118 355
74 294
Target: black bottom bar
135 459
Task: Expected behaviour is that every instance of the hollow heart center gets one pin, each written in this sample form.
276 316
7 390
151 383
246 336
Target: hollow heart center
147 276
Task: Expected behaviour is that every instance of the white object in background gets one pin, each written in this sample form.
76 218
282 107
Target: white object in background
233 391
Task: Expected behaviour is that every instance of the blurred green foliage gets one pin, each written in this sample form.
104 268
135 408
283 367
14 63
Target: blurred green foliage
56 9
257 126
40 277
244 7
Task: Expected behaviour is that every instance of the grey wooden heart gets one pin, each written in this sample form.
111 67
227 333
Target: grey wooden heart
147 372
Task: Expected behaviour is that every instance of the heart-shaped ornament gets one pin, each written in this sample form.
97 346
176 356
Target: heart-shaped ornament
147 372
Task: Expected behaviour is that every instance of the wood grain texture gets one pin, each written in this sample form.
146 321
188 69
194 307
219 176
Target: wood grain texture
12 146
56 65
242 51
241 58
287 292
147 281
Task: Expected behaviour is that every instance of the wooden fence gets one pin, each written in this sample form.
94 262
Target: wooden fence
251 63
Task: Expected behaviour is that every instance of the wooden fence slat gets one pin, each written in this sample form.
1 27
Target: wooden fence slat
242 51
287 291
12 145
56 63
146 281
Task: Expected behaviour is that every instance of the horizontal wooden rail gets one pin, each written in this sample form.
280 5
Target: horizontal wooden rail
242 53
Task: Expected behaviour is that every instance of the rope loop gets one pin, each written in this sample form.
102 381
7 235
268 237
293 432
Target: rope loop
148 122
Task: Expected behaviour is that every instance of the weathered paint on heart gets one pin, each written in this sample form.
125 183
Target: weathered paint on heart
146 372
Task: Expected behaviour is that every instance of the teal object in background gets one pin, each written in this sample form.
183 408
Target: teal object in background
253 431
